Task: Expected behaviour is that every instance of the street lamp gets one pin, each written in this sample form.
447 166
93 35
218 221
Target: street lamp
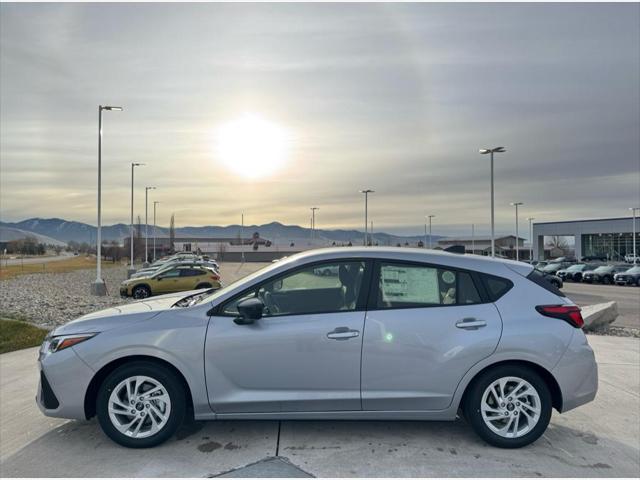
366 202
146 224
484 151
473 238
531 219
98 287
154 229
633 240
131 268
517 204
429 217
313 221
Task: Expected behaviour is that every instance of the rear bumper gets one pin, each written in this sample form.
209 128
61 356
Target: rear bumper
577 373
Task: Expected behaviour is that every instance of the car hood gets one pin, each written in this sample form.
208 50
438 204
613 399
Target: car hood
126 314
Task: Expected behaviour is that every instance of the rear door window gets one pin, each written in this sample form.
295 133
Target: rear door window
403 285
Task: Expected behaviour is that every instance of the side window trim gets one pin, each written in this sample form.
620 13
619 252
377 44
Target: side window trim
372 303
363 295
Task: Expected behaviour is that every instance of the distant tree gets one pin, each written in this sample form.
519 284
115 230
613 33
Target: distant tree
172 233
558 242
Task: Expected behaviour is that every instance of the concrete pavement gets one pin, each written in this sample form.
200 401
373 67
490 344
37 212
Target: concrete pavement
598 439
627 298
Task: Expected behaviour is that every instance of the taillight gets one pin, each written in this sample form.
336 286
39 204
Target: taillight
215 277
568 313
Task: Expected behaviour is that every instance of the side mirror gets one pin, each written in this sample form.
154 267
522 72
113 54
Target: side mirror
250 310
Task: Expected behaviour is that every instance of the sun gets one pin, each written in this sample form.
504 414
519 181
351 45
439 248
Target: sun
251 146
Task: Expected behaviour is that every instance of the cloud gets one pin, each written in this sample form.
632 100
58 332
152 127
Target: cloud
397 98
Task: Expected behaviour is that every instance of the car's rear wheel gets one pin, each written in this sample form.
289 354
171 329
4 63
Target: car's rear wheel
508 406
141 291
203 285
141 404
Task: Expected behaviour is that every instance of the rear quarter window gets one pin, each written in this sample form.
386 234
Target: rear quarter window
496 287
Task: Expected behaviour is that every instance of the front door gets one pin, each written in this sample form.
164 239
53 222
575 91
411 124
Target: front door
303 355
426 327
167 282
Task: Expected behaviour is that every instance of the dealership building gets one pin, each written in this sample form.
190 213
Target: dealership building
610 238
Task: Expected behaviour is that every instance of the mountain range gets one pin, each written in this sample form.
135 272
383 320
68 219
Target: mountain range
66 231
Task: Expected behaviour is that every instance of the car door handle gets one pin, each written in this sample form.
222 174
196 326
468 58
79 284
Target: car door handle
342 333
471 323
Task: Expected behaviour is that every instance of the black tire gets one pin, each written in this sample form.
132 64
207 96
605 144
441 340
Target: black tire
140 292
204 285
171 383
473 398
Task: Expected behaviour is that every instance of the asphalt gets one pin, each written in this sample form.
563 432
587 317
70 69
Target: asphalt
601 438
627 298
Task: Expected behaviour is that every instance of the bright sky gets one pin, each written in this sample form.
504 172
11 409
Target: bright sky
316 102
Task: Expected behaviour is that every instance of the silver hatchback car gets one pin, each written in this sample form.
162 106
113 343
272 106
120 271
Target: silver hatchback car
341 333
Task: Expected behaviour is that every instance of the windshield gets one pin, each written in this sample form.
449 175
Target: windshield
635 269
604 268
551 268
221 291
575 268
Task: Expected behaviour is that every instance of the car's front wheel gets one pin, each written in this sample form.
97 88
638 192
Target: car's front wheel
141 291
141 404
508 406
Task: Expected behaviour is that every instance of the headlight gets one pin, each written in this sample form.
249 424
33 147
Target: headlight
55 344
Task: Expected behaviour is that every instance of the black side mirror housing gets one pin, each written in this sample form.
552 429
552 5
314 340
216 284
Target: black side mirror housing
250 310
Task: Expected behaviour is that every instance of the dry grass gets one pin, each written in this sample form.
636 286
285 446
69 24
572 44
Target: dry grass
16 335
58 266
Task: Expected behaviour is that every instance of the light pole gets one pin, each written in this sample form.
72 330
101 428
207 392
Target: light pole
155 203
146 224
633 240
473 239
242 239
131 268
430 217
98 287
313 221
366 206
484 151
517 204
425 234
531 219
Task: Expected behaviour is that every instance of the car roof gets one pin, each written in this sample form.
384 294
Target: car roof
455 260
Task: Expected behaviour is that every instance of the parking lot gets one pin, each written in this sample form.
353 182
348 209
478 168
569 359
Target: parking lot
598 439
627 298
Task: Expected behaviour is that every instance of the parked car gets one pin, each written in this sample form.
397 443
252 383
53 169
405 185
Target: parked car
552 268
574 272
398 334
554 280
628 277
146 272
595 258
173 279
541 264
631 259
603 274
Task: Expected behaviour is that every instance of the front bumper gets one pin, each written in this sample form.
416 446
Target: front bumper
577 373
64 379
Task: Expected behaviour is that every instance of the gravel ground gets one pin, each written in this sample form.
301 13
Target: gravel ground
51 299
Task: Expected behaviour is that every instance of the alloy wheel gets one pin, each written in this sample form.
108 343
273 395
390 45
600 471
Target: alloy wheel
139 406
510 407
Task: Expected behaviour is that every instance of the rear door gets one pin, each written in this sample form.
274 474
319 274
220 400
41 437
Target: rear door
426 326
